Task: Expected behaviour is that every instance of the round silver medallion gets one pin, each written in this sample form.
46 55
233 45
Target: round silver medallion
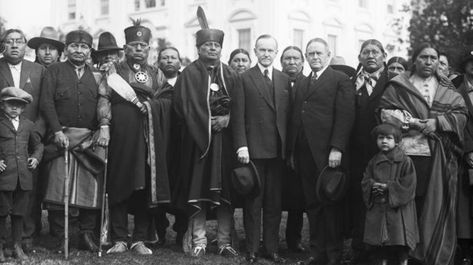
214 87
136 66
141 77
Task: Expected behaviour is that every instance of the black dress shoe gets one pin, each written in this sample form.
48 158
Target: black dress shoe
274 257
298 248
251 258
466 261
87 242
60 247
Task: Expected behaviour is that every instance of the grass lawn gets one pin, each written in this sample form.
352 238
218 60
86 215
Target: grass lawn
168 254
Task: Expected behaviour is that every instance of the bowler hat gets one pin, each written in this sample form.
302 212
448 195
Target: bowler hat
331 185
15 94
79 36
48 35
204 35
245 180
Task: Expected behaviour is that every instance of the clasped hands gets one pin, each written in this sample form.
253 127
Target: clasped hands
379 189
102 139
426 126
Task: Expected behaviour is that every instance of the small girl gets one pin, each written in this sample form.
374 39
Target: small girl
389 186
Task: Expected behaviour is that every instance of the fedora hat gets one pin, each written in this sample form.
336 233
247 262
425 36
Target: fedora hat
245 180
48 35
331 185
107 42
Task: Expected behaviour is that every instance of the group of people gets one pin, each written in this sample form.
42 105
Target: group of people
381 154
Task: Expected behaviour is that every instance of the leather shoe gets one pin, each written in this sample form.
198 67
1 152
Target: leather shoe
274 257
87 242
298 248
140 248
59 249
466 261
251 258
18 252
28 246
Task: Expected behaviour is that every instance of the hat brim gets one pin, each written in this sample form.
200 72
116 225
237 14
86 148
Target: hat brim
252 191
340 191
105 50
15 99
34 43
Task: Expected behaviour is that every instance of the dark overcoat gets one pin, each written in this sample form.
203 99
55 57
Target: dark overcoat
465 198
14 146
325 113
393 222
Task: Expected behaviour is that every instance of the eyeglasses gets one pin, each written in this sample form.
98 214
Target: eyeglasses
77 46
10 42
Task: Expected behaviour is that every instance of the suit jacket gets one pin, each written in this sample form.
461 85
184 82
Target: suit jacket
14 146
30 81
325 113
253 120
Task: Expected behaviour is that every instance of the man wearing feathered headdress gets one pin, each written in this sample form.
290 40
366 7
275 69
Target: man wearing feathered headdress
139 138
203 102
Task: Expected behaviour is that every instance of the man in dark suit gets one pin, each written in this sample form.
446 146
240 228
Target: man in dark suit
262 138
18 72
321 120
292 62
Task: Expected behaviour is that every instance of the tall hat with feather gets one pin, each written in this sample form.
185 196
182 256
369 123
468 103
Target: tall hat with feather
137 32
206 33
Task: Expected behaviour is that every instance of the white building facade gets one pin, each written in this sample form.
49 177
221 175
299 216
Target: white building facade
345 24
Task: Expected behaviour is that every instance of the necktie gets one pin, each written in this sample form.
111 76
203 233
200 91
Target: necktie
313 79
79 72
369 84
269 84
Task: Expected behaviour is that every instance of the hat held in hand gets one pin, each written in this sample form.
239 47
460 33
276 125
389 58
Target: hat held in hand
331 185
15 94
245 180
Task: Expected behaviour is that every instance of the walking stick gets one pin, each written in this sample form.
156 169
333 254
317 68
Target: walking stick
103 222
66 204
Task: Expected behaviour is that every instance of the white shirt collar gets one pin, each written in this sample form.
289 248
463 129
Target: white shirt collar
172 80
270 70
16 66
320 72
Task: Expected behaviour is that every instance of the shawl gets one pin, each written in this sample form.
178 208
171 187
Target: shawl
437 222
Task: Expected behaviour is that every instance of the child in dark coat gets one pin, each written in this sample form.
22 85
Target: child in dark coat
389 186
17 138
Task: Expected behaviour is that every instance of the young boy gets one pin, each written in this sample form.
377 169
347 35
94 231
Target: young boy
17 136
389 185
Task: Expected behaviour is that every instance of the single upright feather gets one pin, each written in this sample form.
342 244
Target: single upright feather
202 18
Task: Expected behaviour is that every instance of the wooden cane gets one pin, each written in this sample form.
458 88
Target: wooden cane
104 203
66 205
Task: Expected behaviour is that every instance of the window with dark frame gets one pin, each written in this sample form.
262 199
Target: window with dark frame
71 9
244 38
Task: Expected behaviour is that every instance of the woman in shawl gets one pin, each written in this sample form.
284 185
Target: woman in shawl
432 115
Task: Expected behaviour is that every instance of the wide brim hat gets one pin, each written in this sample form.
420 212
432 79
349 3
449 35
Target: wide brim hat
246 180
48 35
107 42
15 94
346 69
331 185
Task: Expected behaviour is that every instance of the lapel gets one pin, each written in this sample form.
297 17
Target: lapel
258 82
380 85
6 121
279 86
25 73
6 73
324 78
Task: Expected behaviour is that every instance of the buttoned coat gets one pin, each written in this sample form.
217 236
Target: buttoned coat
325 111
14 146
30 81
252 122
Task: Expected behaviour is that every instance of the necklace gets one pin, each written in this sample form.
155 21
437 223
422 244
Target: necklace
140 76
